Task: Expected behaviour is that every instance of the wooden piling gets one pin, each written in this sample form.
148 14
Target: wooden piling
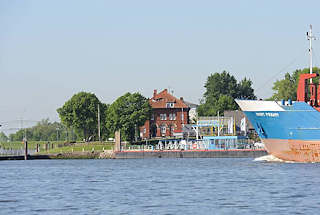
25 149
117 144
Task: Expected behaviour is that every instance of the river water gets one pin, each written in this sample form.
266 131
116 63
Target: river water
159 186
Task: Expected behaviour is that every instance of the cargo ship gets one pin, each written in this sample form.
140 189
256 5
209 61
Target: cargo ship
290 130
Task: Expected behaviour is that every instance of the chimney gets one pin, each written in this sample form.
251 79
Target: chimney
154 93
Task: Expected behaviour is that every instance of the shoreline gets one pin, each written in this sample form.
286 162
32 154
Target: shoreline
145 154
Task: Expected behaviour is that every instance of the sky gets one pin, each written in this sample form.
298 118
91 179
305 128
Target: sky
50 50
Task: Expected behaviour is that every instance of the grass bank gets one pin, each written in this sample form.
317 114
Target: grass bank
80 147
55 147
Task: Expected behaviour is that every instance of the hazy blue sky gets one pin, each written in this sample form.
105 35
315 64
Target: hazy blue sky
50 50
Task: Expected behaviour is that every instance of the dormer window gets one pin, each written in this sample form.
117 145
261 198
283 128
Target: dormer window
170 105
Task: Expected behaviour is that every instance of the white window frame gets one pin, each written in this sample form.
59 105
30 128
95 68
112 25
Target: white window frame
163 116
172 116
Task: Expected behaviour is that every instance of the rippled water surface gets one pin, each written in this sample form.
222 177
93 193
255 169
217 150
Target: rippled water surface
159 186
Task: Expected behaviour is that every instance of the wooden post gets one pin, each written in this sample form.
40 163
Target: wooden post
25 149
117 146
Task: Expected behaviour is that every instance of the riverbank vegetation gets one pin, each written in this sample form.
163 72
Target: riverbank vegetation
55 147
81 147
43 131
83 112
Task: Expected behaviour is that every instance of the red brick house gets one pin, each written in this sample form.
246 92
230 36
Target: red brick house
169 114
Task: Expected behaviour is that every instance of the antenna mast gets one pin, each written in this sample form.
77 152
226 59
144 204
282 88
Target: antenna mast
310 38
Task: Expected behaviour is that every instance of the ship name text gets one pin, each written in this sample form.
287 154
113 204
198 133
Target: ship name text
267 114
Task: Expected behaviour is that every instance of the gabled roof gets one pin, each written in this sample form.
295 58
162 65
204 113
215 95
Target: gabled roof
191 105
160 100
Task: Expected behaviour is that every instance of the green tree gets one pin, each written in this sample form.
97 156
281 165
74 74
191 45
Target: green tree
3 137
105 132
127 114
221 90
221 84
287 87
245 90
80 112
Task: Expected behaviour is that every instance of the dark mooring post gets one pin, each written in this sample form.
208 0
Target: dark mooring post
25 149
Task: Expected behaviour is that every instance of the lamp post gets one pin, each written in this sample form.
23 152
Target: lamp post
57 133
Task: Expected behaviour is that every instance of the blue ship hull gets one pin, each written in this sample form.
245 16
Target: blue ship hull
289 131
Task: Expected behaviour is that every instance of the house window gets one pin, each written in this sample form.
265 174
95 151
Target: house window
163 116
170 105
152 117
163 129
172 116
144 130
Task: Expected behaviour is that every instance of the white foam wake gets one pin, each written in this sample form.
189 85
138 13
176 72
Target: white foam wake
271 158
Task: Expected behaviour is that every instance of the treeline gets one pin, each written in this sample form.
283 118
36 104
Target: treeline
44 131
79 120
126 114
